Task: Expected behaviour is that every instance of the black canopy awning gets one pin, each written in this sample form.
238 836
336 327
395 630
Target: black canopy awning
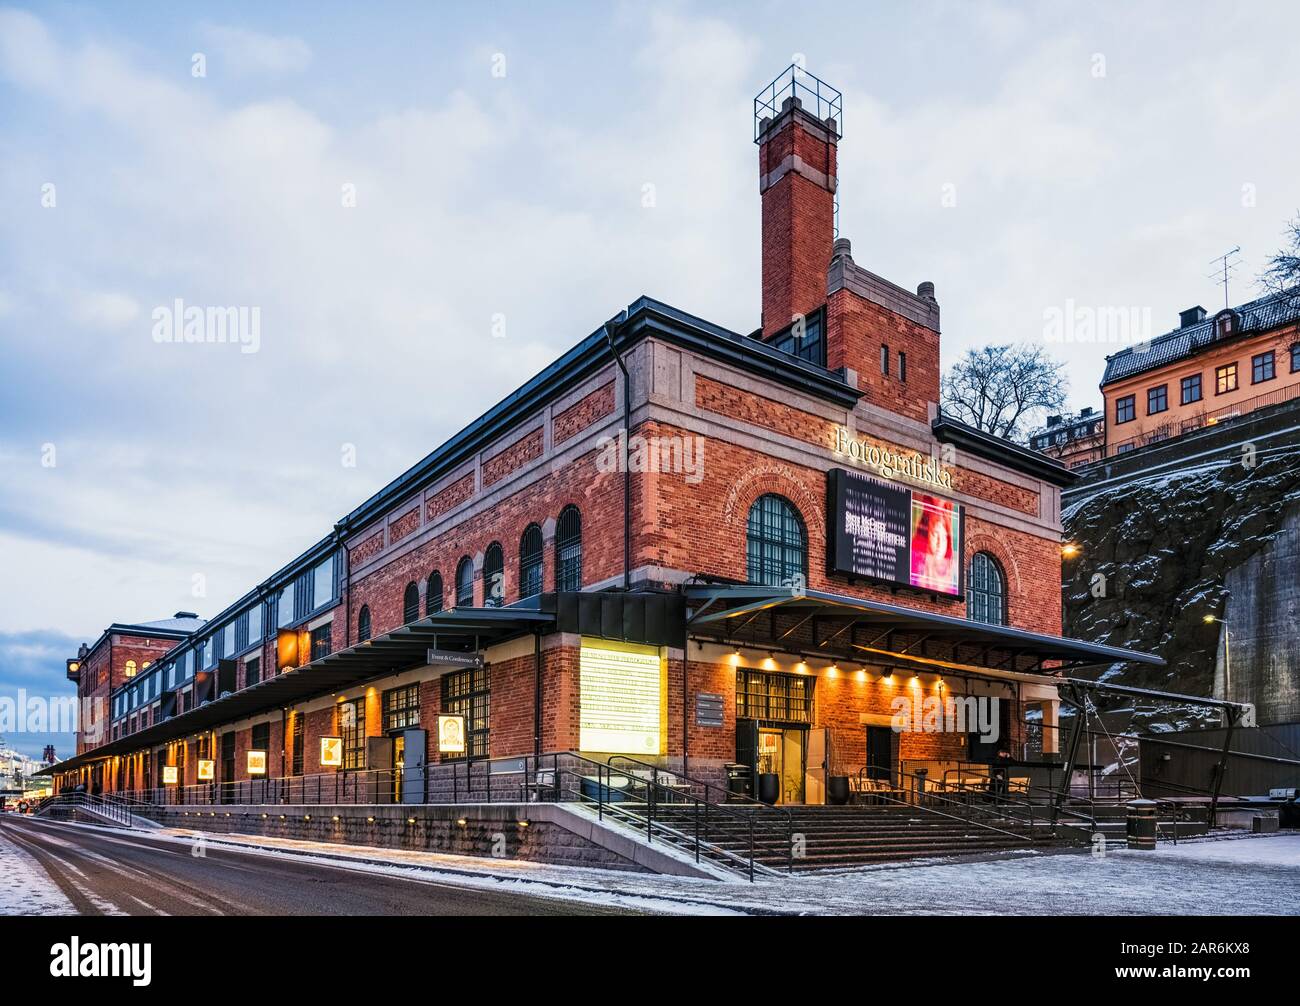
876 632
466 629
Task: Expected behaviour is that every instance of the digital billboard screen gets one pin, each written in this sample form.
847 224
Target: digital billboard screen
888 532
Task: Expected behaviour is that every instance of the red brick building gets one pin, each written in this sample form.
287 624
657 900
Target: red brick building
790 540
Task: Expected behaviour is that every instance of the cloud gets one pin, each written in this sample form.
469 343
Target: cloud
244 52
105 310
32 665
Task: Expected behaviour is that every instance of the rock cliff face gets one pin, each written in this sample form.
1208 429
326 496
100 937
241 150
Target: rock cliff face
1156 555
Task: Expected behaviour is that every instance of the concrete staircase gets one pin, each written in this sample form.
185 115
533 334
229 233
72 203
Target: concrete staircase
845 837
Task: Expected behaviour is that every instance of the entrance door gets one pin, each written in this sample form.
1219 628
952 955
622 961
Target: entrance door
781 754
880 753
399 764
818 757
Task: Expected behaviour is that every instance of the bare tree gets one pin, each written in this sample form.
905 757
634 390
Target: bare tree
997 388
1283 273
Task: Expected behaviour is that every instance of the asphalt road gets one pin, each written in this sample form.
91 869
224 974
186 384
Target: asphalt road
105 873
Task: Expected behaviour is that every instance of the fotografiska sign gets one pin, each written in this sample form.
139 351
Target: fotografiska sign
891 463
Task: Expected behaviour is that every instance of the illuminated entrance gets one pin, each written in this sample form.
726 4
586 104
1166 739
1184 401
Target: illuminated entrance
774 714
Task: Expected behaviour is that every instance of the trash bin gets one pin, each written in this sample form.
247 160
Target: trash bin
740 780
1142 824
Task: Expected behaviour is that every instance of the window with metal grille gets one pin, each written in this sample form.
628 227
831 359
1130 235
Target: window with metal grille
252 671
776 544
568 550
1262 367
322 641
401 707
352 728
433 594
299 728
465 583
410 603
468 693
363 624
777 698
494 576
986 592
530 561
261 740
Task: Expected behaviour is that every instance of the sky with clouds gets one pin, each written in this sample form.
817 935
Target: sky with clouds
1024 158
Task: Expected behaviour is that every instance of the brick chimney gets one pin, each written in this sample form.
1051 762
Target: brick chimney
796 177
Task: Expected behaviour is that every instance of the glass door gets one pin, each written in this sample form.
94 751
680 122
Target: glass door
399 763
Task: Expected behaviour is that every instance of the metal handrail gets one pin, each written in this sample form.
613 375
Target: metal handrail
700 810
113 810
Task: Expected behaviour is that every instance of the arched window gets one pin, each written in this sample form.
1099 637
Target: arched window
363 624
568 550
465 583
433 594
530 561
776 545
986 590
494 576
130 669
410 603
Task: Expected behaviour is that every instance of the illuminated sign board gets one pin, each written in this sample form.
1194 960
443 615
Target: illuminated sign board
887 532
257 763
451 734
331 752
890 462
170 775
621 700
207 770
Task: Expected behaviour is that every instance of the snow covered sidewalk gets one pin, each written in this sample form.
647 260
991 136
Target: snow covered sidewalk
1238 875
25 887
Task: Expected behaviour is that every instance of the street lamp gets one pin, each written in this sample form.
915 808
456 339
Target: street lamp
1069 550
1227 640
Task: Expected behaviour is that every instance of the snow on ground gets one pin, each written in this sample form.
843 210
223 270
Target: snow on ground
25 887
1236 875
1246 875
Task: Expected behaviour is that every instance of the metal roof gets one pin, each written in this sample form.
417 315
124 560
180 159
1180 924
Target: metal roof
723 606
399 650
1254 317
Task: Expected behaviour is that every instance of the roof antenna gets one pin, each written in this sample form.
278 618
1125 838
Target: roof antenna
1225 265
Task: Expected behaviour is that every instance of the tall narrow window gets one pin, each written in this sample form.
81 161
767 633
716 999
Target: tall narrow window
299 736
468 693
902 365
494 576
252 671
777 547
433 594
410 603
530 561
884 360
363 624
352 728
568 550
465 583
986 592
